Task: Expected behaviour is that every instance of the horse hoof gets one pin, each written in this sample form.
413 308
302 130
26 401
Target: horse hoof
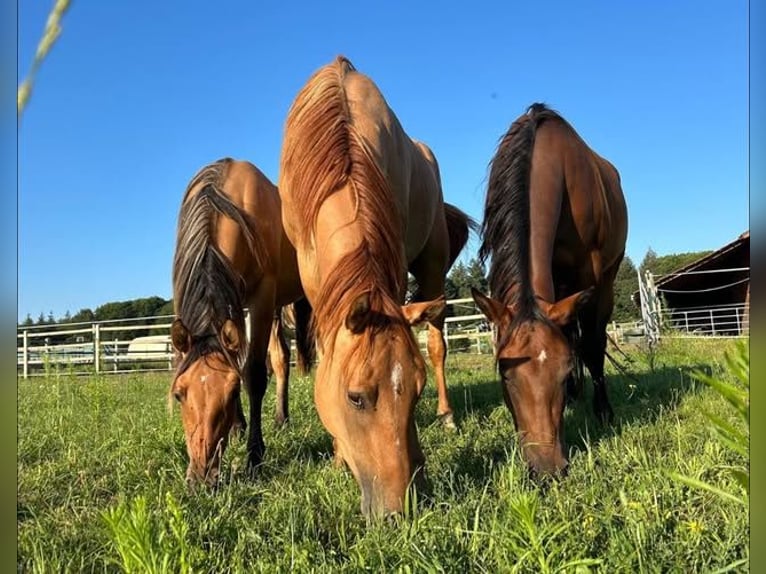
280 422
448 421
605 416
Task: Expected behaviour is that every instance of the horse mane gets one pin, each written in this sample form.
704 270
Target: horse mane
506 226
206 289
322 152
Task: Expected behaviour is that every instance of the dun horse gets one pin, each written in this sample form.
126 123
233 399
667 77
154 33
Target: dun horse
231 253
362 203
555 225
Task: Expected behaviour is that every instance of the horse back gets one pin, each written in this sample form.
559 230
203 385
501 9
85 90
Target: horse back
258 200
577 193
409 166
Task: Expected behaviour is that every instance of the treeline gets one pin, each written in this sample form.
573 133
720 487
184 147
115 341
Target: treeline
115 310
626 282
145 307
458 285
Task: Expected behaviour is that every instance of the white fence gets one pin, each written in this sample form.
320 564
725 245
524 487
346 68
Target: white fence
143 344
714 321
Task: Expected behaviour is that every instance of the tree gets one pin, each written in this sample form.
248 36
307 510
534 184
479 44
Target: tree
649 262
83 316
625 284
463 277
665 264
477 277
28 321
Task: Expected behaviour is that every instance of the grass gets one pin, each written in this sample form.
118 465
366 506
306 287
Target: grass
101 466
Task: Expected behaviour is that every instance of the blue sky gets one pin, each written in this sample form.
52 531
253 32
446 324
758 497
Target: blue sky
136 96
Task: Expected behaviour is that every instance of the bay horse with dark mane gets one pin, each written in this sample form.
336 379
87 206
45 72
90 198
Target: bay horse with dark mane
231 254
555 226
362 203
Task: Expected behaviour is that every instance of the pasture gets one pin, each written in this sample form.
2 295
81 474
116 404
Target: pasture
101 466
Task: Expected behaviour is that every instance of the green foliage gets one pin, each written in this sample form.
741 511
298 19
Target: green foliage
734 389
150 541
460 280
662 265
625 284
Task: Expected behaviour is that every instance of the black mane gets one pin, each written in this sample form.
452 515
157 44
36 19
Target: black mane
206 289
505 229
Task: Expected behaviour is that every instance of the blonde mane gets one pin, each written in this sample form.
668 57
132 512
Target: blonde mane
323 152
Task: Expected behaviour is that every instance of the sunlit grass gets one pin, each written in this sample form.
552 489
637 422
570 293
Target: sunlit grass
101 466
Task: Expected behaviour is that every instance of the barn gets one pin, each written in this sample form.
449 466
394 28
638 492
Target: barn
711 295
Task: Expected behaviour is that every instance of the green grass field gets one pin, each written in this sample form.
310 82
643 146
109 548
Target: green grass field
101 464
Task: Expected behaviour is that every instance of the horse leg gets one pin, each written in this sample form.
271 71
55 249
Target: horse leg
437 352
257 380
239 428
576 379
594 352
431 286
279 352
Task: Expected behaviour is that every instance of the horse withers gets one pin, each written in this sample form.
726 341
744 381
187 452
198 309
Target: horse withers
362 203
231 254
555 226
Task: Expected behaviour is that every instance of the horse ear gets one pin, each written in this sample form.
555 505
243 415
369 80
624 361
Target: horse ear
493 309
359 316
416 313
230 336
180 337
564 311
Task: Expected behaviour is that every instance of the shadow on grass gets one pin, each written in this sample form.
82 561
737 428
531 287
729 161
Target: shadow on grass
471 454
637 399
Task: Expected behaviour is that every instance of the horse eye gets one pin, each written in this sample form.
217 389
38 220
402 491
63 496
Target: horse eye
178 396
356 400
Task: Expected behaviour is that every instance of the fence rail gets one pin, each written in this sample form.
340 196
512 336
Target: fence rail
143 344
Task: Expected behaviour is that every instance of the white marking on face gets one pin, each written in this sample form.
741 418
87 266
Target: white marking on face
396 384
542 356
203 378
396 378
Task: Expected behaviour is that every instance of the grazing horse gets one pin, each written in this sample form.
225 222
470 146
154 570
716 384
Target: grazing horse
362 203
555 225
231 253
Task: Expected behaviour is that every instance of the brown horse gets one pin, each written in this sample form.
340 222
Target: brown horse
555 225
231 253
362 203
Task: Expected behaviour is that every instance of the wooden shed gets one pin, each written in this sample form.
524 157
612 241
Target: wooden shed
710 295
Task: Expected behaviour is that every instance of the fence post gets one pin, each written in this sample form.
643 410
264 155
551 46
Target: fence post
739 325
97 347
25 353
712 322
686 321
446 333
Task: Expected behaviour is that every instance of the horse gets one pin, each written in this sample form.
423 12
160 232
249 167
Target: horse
362 204
231 253
555 226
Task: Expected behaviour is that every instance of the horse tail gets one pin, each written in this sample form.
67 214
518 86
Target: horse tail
505 229
459 225
304 340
